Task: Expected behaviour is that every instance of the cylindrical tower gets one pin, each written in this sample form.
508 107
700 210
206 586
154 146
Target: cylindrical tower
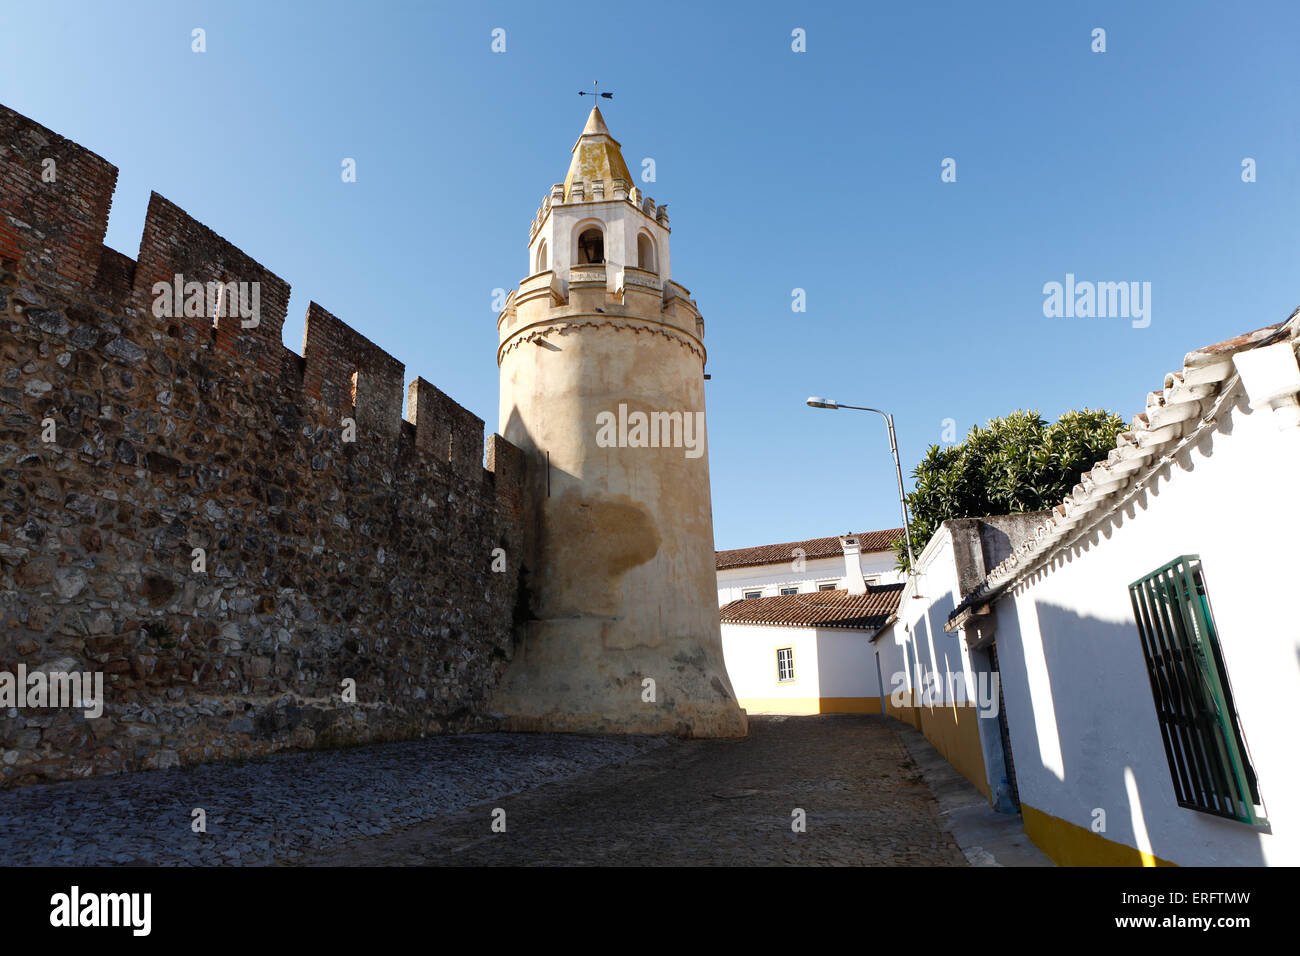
602 386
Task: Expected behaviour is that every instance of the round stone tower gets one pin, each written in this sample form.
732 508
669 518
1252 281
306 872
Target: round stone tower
602 386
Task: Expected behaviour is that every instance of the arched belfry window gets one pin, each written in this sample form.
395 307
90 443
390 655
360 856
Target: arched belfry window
645 253
541 257
591 246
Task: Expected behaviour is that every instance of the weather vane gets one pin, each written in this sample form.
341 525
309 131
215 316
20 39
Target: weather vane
594 92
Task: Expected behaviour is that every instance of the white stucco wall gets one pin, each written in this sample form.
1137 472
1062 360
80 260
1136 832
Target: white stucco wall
750 654
829 662
846 663
618 220
1082 721
919 627
916 649
770 578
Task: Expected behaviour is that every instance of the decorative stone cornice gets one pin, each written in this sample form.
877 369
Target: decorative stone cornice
565 326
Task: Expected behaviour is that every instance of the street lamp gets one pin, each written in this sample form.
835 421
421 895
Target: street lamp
815 402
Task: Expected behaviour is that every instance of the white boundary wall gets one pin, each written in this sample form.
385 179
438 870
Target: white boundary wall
1079 706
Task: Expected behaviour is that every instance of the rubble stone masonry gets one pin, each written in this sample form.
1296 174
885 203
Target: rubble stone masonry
325 559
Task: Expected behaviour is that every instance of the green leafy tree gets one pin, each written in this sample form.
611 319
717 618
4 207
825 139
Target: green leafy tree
1015 464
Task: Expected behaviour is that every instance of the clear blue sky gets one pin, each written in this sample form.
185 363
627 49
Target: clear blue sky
816 170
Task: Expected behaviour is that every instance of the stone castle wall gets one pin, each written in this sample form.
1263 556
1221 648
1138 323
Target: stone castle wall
325 559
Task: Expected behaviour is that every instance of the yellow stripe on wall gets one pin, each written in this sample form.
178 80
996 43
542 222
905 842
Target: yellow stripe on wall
905 713
1071 845
954 732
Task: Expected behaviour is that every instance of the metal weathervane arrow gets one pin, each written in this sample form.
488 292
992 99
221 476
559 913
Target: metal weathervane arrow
595 92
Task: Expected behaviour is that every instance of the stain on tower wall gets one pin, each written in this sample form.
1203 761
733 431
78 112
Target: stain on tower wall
325 560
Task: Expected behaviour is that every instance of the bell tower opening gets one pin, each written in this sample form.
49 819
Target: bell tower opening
645 253
591 246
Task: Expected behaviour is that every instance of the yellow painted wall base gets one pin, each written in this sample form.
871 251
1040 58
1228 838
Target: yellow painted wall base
811 705
954 732
1070 845
905 713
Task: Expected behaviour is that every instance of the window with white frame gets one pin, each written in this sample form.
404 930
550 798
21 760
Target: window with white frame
785 664
749 595
785 591
826 587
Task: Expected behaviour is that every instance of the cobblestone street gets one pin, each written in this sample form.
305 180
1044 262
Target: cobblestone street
705 802
280 807
568 799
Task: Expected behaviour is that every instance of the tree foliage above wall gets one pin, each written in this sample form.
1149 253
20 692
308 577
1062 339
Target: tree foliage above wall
1014 464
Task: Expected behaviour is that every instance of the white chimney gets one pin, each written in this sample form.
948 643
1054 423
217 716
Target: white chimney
853 581
1272 378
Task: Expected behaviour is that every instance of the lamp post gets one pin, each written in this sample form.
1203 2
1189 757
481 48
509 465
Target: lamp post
815 402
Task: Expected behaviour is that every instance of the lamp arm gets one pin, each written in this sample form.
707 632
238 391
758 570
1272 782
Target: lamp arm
898 468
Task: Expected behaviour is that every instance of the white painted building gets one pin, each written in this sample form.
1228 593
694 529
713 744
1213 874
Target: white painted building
806 653
1149 654
931 680
849 562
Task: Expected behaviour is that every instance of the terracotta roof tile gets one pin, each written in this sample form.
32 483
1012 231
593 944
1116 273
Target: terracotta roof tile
818 608
812 548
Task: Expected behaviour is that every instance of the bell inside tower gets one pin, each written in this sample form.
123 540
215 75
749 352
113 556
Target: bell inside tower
591 247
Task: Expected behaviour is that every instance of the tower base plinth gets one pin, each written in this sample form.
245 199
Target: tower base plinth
565 679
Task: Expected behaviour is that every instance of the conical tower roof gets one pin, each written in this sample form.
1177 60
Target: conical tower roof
596 155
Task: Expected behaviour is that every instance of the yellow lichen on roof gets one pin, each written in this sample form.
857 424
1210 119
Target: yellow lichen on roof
596 155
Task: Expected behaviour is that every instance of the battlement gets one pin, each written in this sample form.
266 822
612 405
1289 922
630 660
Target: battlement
597 191
54 201
445 430
221 529
190 284
350 375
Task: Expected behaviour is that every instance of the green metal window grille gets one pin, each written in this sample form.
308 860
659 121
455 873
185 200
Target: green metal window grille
1204 745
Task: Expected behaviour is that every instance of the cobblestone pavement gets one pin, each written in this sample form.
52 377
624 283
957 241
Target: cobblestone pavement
280 807
568 799
703 802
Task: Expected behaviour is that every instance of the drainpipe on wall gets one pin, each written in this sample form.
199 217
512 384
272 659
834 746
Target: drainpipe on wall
880 682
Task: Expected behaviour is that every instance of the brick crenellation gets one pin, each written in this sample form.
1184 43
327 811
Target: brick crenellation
326 559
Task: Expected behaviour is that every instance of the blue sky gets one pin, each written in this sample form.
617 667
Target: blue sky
817 170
